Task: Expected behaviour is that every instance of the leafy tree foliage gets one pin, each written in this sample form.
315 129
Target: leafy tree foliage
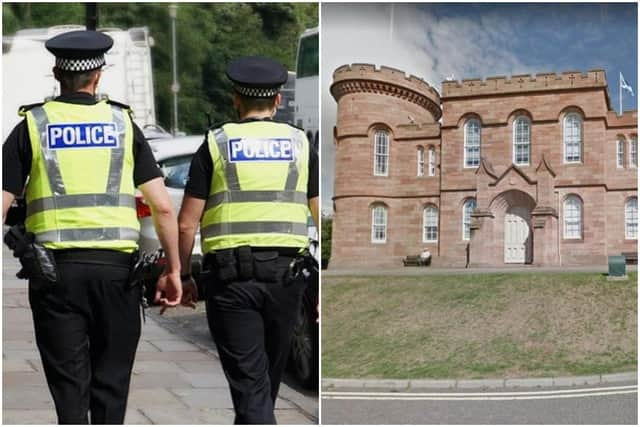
208 36
327 231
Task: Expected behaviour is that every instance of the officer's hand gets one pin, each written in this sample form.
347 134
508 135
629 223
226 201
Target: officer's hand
168 290
189 293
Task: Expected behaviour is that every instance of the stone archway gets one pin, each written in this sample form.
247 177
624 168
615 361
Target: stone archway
513 232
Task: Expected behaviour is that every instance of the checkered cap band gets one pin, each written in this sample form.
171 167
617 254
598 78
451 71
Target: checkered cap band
257 92
85 64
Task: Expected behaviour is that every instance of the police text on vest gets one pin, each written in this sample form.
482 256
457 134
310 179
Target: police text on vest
260 149
82 135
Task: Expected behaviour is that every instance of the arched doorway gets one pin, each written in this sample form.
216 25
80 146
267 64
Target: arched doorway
518 238
514 233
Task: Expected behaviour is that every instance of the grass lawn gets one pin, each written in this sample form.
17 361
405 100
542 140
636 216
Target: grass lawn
478 326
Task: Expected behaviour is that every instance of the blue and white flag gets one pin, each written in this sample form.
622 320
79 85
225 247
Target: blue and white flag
625 86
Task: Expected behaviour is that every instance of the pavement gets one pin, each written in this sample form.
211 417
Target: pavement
177 377
421 271
409 385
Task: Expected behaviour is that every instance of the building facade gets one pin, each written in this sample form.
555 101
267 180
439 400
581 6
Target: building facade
527 170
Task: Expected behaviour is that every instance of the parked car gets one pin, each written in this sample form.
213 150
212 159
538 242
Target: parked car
305 344
174 158
155 132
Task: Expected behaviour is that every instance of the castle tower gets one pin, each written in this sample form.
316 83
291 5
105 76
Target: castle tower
387 139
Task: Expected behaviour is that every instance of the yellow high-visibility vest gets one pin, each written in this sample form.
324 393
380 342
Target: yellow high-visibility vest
258 192
80 192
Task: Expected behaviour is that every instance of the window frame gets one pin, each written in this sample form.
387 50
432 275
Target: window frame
620 154
468 201
628 236
385 156
579 118
432 161
420 161
426 225
633 152
374 224
170 168
467 145
515 142
580 217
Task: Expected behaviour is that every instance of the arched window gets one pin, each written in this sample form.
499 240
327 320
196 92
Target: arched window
572 138
572 214
430 224
521 141
633 152
631 218
381 156
432 161
620 153
472 143
379 224
420 161
467 208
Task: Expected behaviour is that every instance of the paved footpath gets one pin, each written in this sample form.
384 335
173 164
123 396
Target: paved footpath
423 271
177 377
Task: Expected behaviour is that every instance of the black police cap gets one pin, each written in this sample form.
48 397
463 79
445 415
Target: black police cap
257 76
79 50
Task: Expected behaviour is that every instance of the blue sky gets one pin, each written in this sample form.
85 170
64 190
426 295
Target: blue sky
434 41
548 37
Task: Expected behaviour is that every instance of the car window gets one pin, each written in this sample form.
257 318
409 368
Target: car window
176 171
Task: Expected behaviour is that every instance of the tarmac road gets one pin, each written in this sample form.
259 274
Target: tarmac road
605 404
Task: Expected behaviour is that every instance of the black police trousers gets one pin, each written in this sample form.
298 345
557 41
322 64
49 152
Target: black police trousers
87 328
253 324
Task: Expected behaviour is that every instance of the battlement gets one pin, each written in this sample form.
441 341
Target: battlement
524 83
384 74
357 78
627 119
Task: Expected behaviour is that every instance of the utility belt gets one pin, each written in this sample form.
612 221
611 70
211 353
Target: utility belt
40 264
245 263
93 256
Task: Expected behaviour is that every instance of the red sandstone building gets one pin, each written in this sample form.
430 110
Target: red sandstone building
528 170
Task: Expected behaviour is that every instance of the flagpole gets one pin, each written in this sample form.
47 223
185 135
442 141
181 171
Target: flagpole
391 25
620 93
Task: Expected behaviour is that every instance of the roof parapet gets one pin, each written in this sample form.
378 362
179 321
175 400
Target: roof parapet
524 83
628 118
383 73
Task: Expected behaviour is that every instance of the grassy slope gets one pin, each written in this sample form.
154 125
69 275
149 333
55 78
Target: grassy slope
478 326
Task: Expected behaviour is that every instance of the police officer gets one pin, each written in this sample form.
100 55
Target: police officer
251 186
84 159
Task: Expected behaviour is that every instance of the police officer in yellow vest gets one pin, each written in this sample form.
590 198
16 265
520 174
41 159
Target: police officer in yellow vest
84 159
251 186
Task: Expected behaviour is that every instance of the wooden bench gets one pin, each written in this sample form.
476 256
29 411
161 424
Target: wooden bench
631 257
414 260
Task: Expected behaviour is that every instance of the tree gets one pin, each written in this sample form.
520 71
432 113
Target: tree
208 36
327 231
